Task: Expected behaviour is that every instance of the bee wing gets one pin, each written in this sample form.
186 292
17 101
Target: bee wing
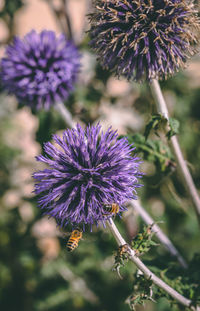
64 234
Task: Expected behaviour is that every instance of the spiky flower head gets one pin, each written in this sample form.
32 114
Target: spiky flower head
40 69
144 39
87 169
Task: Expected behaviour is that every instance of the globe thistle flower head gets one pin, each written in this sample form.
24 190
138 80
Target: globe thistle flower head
144 39
40 69
87 169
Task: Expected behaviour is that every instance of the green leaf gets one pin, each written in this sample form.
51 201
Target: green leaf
157 122
121 258
143 241
10 7
154 151
142 292
174 128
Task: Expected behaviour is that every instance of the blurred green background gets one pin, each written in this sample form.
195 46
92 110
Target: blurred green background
36 272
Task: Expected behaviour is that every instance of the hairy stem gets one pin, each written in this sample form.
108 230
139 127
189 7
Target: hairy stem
158 232
60 107
147 273
183 169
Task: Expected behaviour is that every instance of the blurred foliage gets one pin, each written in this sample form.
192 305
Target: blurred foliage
142 292
7 153
185 282
7 13
10 7
158 122
174 128
154 151
34 279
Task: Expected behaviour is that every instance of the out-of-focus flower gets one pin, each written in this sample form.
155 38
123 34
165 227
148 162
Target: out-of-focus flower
144 39
40 69
89 169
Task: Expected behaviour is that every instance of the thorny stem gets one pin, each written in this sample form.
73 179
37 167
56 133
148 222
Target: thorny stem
60 107
158 232
147 273
185 173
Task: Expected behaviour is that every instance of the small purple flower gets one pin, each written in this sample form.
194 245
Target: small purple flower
87 169
40 69
144 39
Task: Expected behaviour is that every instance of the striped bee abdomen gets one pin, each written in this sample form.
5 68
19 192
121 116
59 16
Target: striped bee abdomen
111 209
74 239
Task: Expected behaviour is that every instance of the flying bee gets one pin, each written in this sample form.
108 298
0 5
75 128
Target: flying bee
111 209
74 239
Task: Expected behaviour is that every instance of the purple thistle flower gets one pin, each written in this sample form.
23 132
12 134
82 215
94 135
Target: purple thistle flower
87 169
40 69
144 39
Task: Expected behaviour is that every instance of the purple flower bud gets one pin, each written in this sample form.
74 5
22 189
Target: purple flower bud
40 69
87 169
144 39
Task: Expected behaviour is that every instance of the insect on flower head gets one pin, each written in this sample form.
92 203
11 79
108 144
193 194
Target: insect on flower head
89 169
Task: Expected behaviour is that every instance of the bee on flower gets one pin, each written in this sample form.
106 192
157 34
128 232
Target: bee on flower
87 168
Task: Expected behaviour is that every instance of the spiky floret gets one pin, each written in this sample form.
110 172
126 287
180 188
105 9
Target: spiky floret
87 170
144 39
40 69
